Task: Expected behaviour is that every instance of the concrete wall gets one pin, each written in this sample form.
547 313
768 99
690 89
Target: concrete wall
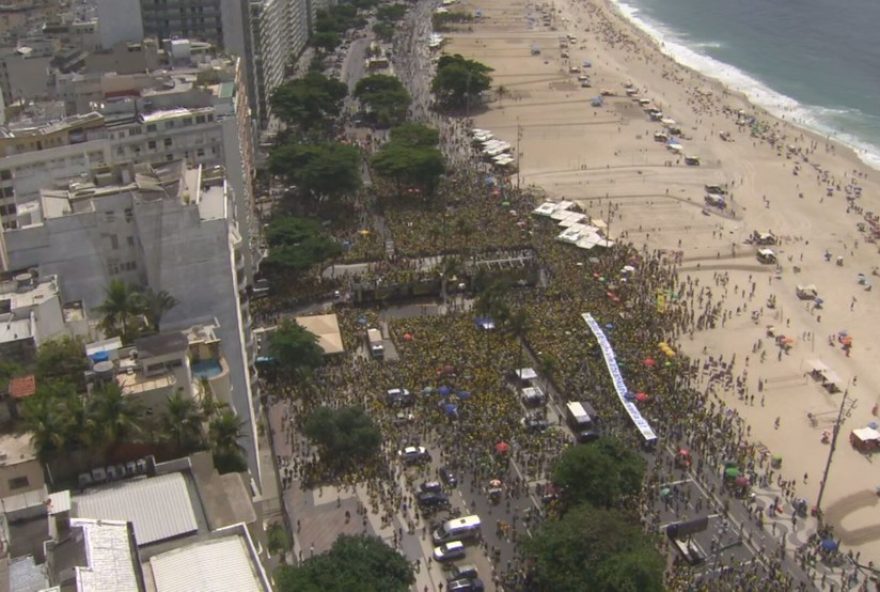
119 20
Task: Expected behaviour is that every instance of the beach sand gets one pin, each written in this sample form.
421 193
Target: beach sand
606 160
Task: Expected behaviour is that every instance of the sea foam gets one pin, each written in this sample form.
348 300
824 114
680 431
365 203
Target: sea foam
811 117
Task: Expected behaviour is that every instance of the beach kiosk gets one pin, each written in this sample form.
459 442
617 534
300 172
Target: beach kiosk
865 440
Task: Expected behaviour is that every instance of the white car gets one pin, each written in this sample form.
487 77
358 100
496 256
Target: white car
449 551
414 454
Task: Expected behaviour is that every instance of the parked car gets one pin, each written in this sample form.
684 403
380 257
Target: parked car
431 486
462 571
447 476
399 397
465 585
587 436
534 424
433 500
414 454
449 551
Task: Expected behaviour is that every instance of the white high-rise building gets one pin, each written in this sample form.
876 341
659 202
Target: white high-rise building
119 21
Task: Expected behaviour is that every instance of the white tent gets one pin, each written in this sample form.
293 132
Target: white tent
545 209
526 374
571 219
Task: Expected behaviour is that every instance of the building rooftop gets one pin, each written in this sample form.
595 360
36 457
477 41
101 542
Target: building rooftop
109 557
162 344
135 382
326 328
15 329
160 507
213 565
25 291
15 449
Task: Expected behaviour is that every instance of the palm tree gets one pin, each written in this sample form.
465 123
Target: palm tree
182 422
209 406
43 416
225 433
122 304
518 325
156 304
111 416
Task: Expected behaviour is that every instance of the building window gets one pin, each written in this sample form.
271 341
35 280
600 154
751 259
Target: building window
114 242
200 119
8 192
200 152
134 131
18 482
151 145
109 216
151 127
5 175
169 157
128 215
167 142
130 241
169 124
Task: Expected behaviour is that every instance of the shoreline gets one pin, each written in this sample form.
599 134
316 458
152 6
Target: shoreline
866 152
798 187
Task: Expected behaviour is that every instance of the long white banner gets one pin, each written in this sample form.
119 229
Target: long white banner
617 378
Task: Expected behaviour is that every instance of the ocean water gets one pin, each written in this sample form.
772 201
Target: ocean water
816 62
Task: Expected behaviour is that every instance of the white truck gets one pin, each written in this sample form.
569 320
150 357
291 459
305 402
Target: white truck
374 339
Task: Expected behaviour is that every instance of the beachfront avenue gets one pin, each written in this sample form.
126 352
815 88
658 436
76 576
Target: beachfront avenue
572 233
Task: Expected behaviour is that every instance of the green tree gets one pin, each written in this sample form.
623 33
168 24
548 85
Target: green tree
346 437
603 473
326 40
309 103
391 12
385 97
360 562
155 305
63 360
9 370
299 243
517 324
384 31
492 301
459 81
182 423
46 416
224 434
295 349
122 305
606 544
411 158
111 417
318 170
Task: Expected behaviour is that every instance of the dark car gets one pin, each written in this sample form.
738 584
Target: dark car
587 436
399 397
414 454
431 486
465 571
447 476
432 499
534 424
465 585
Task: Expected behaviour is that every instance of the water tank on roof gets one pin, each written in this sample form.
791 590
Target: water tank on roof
103 370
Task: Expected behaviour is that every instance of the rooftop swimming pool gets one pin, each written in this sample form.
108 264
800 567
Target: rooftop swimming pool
206 368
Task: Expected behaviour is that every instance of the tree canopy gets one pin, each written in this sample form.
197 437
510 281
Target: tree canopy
62 360
318 170
391 12
346 437
459 81
299 243
358 562
605 548
602 473
411 158
295 348
308 103
385 98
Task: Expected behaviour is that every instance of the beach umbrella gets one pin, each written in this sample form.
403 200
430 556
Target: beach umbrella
642 397
829 545
450 409
362 320
664 492
731 472
502 448
427 390
495 483
873 425
464 395
742 481
448 368
407 336
649 362
444 391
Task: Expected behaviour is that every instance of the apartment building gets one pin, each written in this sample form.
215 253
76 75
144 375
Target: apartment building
153 119
168 227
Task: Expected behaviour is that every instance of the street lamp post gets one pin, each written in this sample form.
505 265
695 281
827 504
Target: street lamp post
847 409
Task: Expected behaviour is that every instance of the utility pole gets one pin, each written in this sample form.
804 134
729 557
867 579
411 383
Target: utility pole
518 153
844 408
